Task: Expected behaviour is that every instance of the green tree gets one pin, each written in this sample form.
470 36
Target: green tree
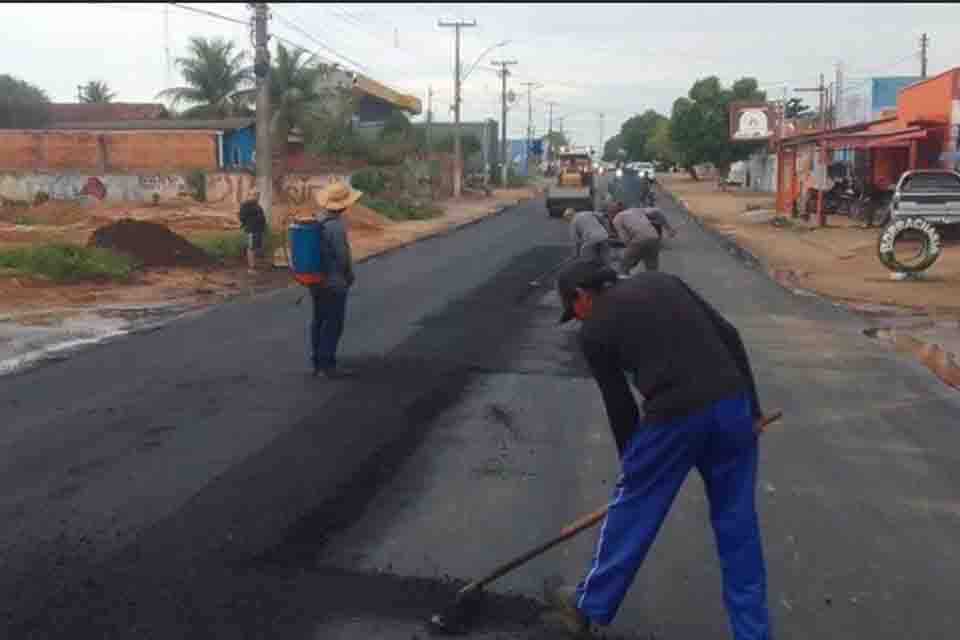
328 125
556 140
659 145
217 78
22 105
96 91
612 148
635 134
397 127
797 109
699 124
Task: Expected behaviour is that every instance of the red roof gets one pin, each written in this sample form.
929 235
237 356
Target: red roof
105 111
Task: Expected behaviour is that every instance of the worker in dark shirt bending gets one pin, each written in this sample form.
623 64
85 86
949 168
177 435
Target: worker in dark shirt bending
700 410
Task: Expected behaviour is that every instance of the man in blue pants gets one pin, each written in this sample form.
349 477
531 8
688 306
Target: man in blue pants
700 411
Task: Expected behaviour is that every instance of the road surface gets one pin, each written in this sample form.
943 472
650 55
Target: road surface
196 483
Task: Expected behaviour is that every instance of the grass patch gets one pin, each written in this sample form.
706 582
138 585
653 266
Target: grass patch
64 262
231 246
401 210
25 221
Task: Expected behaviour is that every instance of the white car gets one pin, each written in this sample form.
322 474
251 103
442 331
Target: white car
646 168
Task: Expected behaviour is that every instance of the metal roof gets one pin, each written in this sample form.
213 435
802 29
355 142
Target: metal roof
225 124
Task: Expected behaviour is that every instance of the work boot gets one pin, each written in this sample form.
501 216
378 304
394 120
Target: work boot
561 599
337 373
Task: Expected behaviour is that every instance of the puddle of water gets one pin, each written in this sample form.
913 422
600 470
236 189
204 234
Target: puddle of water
35 339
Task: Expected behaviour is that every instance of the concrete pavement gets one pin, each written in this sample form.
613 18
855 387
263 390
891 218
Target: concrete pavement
195 483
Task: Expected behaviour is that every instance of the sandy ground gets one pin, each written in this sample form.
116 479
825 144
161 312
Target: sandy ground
20 296
839 261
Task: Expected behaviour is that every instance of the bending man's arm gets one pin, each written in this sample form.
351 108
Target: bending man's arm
622 410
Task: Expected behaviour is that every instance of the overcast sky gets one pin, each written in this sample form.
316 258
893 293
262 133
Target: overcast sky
591 58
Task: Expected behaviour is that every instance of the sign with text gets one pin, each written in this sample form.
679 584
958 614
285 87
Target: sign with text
753 121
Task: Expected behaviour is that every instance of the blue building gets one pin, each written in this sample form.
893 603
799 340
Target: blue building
867 99
239 145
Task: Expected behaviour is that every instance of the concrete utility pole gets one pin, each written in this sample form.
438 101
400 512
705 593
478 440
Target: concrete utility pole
530 87
261 69
550 105
924 43
457 151
838 96
504 72
429 121
821 90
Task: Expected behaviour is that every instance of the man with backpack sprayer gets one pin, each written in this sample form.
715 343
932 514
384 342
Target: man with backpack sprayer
330 298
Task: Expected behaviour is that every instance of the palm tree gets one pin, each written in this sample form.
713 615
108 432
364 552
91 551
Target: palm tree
96 91
294 92
216 80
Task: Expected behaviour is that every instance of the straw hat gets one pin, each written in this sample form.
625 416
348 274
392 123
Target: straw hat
337 196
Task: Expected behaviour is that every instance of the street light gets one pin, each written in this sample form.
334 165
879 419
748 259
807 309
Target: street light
480 57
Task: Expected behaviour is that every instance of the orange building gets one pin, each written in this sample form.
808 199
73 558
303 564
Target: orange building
923 134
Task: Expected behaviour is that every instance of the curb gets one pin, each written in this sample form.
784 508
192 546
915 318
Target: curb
747 257
446 232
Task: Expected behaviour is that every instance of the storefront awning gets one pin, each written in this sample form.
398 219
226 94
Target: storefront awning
873 140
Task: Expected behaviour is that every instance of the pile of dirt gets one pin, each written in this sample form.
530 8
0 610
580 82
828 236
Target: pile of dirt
365 218
153 245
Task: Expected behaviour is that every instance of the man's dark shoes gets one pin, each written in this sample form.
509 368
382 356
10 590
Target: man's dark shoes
337 373
564 612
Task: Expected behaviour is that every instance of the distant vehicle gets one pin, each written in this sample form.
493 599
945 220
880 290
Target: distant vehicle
574 187
922 201
646 168
933 195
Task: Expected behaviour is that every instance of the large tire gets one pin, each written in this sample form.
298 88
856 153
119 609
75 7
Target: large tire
928 254
554 212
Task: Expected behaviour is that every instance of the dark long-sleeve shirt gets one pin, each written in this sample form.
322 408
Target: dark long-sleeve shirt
252 218
680 354
335 232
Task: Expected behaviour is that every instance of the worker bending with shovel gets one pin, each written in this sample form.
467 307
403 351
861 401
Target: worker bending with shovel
700 410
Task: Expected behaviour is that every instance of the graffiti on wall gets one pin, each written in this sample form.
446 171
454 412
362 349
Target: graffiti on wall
229 187
93 187
299 189
165 186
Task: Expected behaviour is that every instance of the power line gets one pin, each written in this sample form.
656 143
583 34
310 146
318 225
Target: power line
211 14
320 43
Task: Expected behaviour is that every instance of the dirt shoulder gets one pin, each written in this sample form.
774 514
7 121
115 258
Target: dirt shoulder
71 221
920 317
838 261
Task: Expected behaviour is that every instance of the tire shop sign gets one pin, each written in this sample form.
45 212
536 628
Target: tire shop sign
752 121
929 251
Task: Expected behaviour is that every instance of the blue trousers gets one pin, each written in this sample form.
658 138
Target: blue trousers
719 441
329 309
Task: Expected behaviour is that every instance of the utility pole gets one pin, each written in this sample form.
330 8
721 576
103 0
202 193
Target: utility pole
602 141
530 87
924 43
457 151
550 106
166 46
838 96
261 70
504 72
820 90
429 121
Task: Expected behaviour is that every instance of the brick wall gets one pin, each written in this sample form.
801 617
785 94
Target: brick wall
111 151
